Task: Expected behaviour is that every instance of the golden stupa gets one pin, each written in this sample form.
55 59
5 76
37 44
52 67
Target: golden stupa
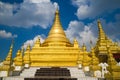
55 51
58 51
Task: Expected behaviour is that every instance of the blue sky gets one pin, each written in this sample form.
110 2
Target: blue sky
25 20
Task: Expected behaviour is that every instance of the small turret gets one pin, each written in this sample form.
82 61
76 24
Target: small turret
94 63
8 60
76 43
37 42
86 59
27 57
7 63
18 60
84 48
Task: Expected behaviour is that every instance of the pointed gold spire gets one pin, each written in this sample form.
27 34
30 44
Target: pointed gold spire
102 35
56 35
84 47
76 43
28 47
37 42
26 57
94 61
18 60
86 59
8 61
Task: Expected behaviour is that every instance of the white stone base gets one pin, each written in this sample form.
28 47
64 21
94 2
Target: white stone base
97 74
3 73
86 68
27 65
18 68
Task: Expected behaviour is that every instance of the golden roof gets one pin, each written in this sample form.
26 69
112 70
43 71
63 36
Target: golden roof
56 36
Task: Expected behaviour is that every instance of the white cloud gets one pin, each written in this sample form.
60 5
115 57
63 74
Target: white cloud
36 1
83 33
94 8
73 30
87 35
4 34
56 5
27 14
31 42
83 11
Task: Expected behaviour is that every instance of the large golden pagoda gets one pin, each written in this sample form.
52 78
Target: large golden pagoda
58 51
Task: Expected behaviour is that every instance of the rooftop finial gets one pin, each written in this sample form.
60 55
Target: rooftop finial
12 44
99 24
84 47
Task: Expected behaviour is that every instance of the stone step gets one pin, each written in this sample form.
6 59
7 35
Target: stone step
22 78
87 78
13 78
29 72
75 72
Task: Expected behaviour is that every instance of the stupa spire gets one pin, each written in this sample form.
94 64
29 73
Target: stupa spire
84 47
18 59
56 35
9 56
8 61
26 57
102 35
94 61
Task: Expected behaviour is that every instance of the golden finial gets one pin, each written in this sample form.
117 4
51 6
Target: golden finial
57 11
11 47
99 24
22 49
37 42
19 51
75 40
75 43
92 50
28 47
84 47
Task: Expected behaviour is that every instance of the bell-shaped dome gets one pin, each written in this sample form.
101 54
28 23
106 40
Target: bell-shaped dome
56 36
